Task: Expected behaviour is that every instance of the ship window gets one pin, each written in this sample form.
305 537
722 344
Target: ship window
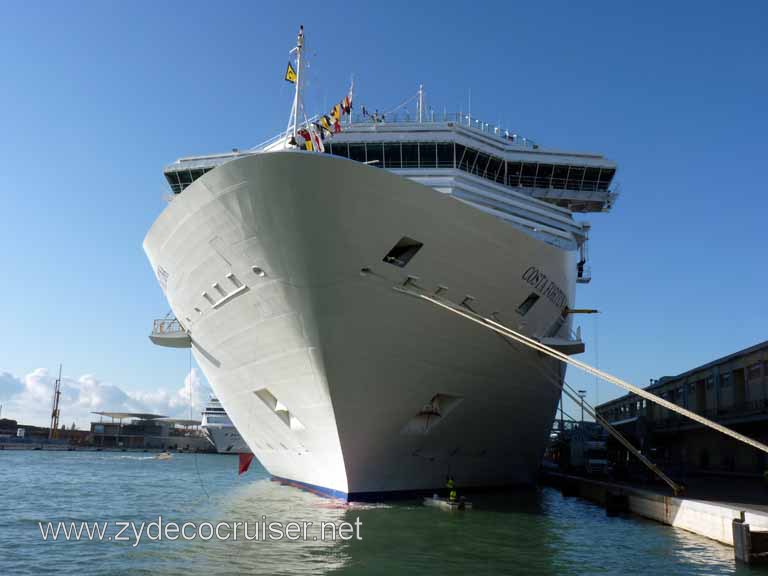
392 156
185 178
173 180
590 179
357 152
402 252
575 175
559 176
494 166
410 155
606 174
544 175
501 174
445 155
460 151
513 174
468 160
427 155
527 304
529 175
340 149
480 164
375 154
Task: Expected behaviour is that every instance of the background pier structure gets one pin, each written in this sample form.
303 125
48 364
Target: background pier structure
732 391
726 522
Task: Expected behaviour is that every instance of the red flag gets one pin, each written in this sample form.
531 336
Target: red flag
245 462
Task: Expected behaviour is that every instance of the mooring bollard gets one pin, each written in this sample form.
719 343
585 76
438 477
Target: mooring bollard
749 547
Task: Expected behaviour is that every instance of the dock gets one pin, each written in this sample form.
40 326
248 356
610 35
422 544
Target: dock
742 525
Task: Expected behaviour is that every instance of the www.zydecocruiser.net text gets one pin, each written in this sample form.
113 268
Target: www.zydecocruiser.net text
135 533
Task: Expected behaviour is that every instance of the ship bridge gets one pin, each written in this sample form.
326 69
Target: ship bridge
577 182
511 177
454 146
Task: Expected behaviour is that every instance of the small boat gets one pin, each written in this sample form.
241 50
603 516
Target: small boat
437 502
164 456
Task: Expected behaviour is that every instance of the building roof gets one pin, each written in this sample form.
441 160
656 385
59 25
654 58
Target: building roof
181 421
713 363
664 380
125 415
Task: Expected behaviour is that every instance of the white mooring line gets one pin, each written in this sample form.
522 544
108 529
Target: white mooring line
407 288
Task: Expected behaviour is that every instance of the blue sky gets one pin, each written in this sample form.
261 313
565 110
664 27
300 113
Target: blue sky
97 96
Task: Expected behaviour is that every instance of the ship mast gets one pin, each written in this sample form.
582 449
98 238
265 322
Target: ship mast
53 430
293 121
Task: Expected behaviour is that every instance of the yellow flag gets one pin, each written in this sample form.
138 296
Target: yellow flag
290 74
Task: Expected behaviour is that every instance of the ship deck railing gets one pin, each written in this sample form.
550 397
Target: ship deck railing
167 326
430 117
170 333
434 117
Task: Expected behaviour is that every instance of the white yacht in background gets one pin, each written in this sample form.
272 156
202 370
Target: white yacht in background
280 265
219 429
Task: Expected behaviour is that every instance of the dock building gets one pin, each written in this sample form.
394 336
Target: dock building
732 390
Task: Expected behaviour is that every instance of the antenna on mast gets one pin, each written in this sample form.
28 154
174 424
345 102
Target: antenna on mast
421 102
55 410
469 113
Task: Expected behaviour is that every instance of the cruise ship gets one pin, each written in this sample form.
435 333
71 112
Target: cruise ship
282 266
220 431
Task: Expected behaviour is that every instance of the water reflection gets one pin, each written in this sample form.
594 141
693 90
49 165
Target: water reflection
265 501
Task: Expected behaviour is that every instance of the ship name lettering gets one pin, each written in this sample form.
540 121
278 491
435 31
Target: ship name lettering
545 286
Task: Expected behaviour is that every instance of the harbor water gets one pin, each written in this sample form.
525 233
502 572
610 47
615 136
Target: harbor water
517 532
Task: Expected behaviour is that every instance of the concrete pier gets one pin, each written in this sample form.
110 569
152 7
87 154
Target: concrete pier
712 519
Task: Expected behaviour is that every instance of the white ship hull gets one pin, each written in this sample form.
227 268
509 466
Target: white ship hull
324 370
226 440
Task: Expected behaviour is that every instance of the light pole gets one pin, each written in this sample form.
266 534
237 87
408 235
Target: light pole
582 394
562 416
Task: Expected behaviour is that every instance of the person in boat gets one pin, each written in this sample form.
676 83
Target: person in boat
451 486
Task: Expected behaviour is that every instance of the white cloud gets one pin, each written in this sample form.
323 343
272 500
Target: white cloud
29 399
9 385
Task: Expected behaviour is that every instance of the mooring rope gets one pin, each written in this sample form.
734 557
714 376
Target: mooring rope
194 456
544 349
560 384
676 488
